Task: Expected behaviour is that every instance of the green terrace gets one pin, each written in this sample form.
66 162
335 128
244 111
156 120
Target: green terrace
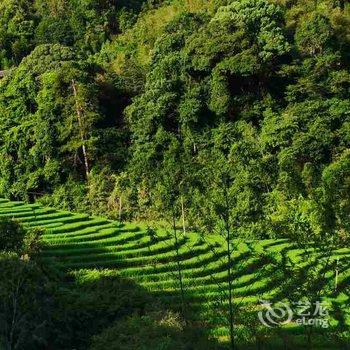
89 247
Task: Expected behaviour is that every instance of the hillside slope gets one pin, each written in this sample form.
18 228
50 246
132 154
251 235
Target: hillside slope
92 247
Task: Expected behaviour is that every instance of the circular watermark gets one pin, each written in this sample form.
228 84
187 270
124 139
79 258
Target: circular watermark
277 315
305 313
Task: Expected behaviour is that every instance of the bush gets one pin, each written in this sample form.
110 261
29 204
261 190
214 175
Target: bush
26 304
12 235
157 332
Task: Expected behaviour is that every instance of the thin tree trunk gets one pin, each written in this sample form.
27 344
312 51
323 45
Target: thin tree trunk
309 338
14 314
229 276
80 123
34 212
179 265
183 215
229 272
120 209
336 274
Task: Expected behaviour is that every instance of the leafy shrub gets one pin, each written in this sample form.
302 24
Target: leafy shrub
25 304
12 235
158 331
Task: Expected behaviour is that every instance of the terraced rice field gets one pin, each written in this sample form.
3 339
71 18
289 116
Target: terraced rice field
78 241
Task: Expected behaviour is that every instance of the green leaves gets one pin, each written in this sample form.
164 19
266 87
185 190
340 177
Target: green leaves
11 236
336 179
262 25
45 122
253 89
17 25
314 34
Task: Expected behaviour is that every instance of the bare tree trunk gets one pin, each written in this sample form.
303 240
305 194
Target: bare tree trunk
336 274
309 338
229 276
14 321
183 215
81 129
179 268
120 209
226 218
34 212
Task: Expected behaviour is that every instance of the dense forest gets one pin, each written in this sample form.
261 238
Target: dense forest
139 109
165 165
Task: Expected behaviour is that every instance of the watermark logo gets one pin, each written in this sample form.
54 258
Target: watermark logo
302 312
276 315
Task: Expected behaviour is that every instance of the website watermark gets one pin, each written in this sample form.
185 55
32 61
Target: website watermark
302 313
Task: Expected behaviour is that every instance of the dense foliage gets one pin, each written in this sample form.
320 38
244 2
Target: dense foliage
12 236
154 109
229 115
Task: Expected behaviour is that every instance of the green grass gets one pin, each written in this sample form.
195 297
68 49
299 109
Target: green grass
91 247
